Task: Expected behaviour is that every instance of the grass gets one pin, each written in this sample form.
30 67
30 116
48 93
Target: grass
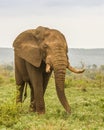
86 101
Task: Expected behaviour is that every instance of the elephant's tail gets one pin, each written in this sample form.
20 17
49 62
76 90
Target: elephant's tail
25 92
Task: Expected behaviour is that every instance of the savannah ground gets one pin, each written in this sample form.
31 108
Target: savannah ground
85 93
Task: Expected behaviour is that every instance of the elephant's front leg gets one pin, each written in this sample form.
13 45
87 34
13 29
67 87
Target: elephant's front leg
46 77
19 89
39 96
36 80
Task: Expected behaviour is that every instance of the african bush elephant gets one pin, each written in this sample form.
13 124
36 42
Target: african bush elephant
38 52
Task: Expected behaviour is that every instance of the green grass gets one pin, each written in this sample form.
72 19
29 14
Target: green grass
87 107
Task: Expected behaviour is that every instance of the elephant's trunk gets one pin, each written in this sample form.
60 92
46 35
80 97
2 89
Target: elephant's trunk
59 72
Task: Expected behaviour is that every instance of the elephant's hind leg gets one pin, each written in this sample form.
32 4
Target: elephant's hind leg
32 99
20 89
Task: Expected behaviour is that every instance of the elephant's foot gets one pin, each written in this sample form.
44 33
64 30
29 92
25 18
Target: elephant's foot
40 110
32 107
40 113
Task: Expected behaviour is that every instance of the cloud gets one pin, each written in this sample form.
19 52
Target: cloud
82 21
39 7
15 4
74 3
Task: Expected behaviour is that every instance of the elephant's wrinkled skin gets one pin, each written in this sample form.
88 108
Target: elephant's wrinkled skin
38 52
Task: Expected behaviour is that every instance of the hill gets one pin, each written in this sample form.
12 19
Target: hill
6 56
88 56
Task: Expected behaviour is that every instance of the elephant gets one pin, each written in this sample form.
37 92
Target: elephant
39 52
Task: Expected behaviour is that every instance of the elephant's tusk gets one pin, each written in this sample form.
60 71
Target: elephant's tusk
48 67
75 70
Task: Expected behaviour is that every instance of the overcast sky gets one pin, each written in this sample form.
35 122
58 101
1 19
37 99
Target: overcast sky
81 21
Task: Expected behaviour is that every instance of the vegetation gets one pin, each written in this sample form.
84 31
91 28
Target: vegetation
85 93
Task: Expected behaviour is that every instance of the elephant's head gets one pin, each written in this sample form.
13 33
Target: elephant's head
50 46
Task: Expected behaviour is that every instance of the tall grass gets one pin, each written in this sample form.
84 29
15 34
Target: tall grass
85 98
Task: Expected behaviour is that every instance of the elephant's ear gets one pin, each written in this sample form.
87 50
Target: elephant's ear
29 51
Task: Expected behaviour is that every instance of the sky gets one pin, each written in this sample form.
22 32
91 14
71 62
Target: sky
81 21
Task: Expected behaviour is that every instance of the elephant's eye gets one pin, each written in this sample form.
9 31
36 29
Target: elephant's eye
45 46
